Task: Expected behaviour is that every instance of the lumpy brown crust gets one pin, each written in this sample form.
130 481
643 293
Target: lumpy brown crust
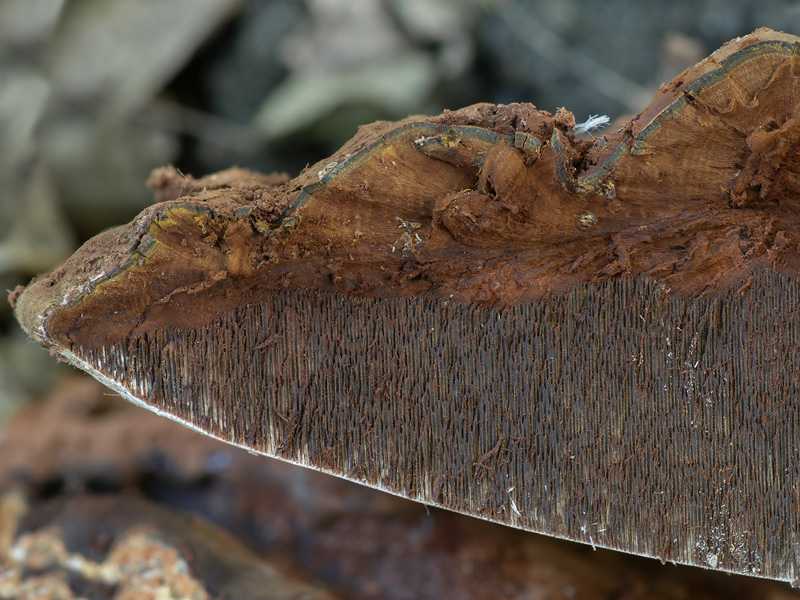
488 204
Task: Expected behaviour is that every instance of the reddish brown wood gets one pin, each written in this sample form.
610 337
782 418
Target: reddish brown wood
488 204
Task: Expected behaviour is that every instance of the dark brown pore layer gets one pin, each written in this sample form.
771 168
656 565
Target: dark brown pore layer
612 414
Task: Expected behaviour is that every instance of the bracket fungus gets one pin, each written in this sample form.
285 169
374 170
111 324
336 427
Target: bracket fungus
485 287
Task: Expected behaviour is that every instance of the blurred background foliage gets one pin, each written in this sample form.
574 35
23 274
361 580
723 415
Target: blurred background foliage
96 93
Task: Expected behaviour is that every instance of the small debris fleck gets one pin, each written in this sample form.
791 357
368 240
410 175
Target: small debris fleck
592 123
409 226
327 169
